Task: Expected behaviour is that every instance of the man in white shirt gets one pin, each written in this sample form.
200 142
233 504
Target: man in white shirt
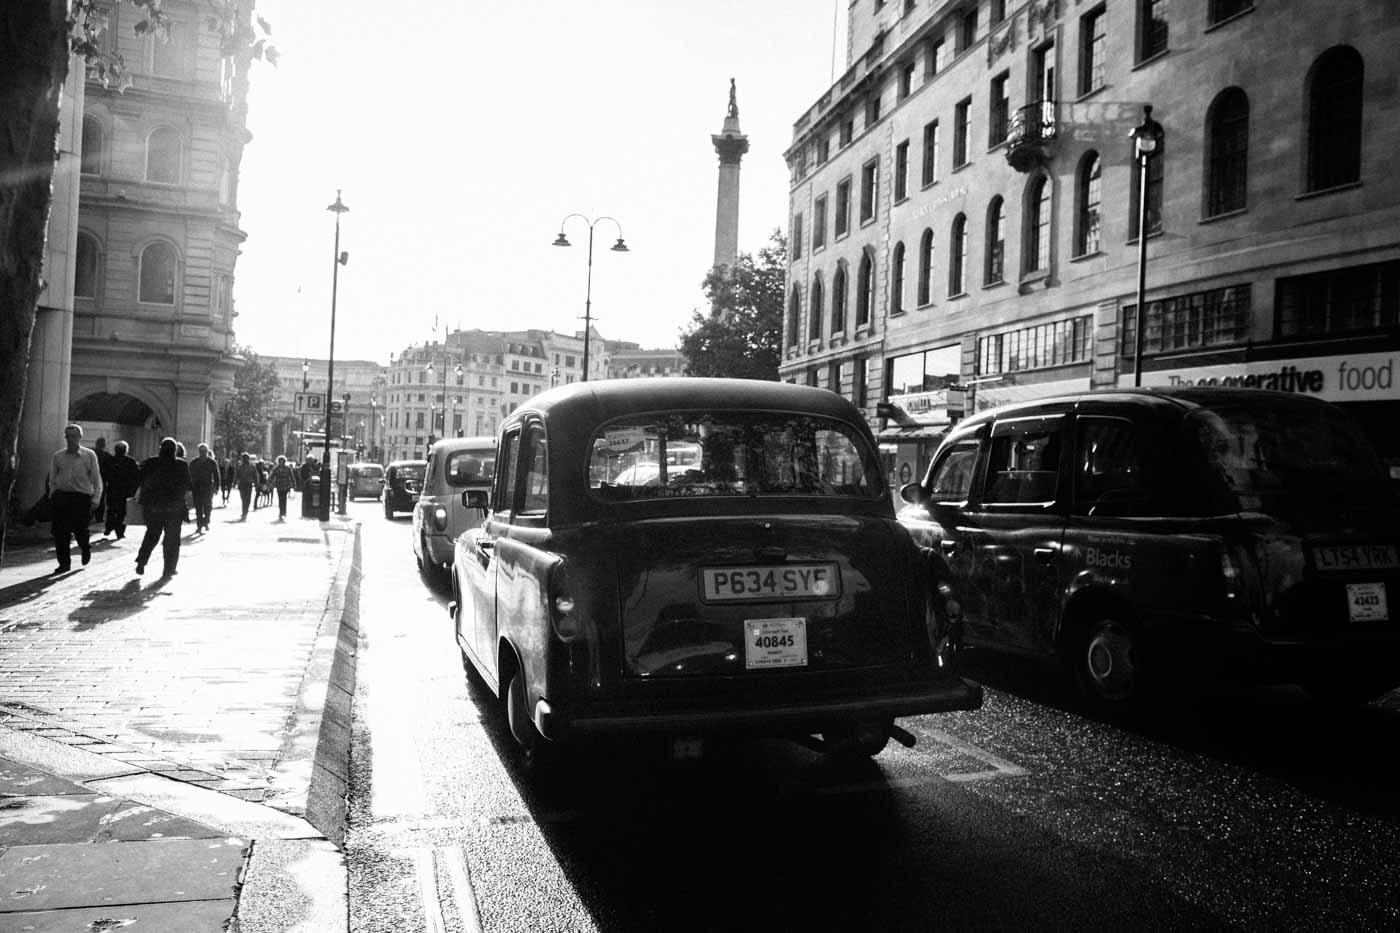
75 488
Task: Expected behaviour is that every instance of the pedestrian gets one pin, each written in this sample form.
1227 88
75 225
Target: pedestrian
308 470
125 475
283 477
226 470
262 495
246 476
75 488
165 478
204 479
104 465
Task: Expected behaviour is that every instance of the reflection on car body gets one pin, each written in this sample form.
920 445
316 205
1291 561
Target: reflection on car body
1141 534
760 586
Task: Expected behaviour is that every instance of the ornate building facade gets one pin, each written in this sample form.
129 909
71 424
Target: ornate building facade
965 207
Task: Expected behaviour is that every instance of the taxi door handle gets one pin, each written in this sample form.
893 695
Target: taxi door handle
1045 555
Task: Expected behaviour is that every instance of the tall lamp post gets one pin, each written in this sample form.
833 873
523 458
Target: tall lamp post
373 423
432 420
618 247
338 259
1147 140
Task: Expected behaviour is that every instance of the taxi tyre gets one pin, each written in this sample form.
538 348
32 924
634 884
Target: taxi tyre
1105 660
538 755
857 740
432 572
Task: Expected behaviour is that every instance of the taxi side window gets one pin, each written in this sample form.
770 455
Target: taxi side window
1109 468
951 480
535 454
1023 462
506 486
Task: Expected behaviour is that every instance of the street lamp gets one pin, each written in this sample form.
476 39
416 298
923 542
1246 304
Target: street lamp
1147 141
338 259
432 418
456 400
618 247
373 423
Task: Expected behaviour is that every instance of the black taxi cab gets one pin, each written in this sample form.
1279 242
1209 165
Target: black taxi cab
758 583
1138 536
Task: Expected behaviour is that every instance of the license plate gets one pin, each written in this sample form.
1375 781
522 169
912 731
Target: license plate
1366 602
775 643
780 581
1356 557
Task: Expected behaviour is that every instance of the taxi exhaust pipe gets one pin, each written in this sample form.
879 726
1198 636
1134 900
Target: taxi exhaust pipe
825 746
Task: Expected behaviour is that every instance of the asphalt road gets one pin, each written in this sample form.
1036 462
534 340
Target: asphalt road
1252 810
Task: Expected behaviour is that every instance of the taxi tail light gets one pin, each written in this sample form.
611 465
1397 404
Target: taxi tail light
440 518
1234 568
562 606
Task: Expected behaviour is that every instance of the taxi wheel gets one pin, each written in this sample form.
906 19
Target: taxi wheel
858 740
537 753
1106 664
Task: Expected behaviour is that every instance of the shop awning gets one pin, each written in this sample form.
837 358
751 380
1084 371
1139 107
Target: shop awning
912 432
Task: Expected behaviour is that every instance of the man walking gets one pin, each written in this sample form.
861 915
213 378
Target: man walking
104 468
75 488
122 482
165 478
204 479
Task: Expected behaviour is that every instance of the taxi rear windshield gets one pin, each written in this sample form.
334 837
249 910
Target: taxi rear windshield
1264 456
731 453
471 467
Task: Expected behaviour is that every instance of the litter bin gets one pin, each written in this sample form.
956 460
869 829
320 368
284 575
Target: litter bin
311 498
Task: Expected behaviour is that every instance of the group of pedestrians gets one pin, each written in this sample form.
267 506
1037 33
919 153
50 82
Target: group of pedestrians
87 484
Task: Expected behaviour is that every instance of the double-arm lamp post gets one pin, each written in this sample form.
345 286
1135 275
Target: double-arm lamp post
1147 141
339 259
432 421
618 247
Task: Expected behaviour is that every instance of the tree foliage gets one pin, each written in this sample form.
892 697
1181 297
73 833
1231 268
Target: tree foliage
742 334
247 412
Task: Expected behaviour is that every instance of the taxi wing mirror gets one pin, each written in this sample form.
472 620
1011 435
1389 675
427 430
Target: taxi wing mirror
475 499
913 493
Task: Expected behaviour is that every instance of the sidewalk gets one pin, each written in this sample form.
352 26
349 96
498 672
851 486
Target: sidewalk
173 752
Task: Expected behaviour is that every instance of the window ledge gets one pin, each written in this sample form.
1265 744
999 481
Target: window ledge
841 236
898 312
959 168
1092 92
901 199
1082 257
928 184
1151 235
1224 215
1152 59
1323 192
924 307
864 330
988 286
1228 20
958 296
868 221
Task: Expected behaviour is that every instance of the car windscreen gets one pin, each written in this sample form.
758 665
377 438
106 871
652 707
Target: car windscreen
410 474
731 453
471 467
1279 458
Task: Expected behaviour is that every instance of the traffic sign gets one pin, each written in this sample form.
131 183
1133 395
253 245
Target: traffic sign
309 403
337 406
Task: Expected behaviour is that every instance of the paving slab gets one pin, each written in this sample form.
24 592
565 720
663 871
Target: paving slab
58 877
20 780
184 917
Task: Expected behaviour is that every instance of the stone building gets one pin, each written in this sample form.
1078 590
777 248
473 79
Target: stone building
965 210
359 390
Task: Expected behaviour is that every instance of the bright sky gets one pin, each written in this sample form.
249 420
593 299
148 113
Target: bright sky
462 133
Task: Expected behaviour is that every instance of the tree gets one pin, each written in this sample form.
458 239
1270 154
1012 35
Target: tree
246 414
37 41
742 335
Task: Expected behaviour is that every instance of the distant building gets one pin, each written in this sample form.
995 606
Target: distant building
630 361
358 422
964 207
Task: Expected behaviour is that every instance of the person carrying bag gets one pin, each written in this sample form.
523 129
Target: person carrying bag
165 479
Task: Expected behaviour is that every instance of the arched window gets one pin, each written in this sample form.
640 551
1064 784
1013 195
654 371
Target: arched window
158 274
838 299
865 289
92 146
1088 200
1227 141
994 265
897 280
1334 119
957 257
1037 235
794 313
814 315
163 156
925 288
85 267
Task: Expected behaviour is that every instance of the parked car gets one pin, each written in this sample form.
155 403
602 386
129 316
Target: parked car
439 516
764 589
403 481
366 479
1144 536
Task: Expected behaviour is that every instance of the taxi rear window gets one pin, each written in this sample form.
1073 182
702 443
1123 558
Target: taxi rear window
731 453
471 467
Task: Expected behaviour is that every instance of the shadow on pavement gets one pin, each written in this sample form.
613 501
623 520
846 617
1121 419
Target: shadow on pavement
104 606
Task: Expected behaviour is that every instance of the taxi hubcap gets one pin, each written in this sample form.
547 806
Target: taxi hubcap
1110 662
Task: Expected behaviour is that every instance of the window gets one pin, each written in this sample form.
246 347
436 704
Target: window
901 171
848 129
167 52
865 289
936 58
925 268
1357 299
1155 169
1043 73
957 257
999 113
869 189
967 30
951 480
418 423
819 223
534 502
823 148
843 207
872 110
1039 347
1221 10
906 80
994 270
794 314
860 380
923 371
797 236
897 279
814 316
1108 467
1088 200
1152 28
833 377
1092 42
962 131
163 156
838 300
1213 318
507 483
996 11
157 276
1334 119
1227 138
1037 214
1023 462
930 173
85 267
92 146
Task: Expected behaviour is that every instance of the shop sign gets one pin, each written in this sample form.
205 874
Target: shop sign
1363 377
